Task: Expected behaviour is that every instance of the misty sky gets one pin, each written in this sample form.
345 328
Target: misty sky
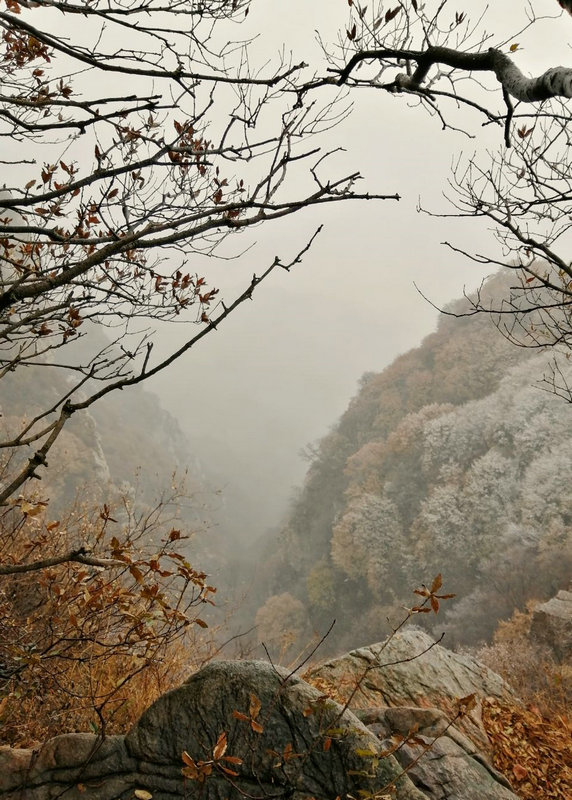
279 372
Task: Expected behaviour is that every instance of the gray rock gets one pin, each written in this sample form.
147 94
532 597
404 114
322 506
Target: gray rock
445 771
298 744
308 746
74 766
284 738
552 625
439 759
409 669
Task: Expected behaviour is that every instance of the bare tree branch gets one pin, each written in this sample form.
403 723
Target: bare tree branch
79 555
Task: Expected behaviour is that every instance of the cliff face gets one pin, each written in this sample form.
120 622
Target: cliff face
449 461
125 447
112 441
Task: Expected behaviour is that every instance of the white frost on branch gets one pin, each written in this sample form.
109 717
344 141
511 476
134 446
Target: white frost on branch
555 82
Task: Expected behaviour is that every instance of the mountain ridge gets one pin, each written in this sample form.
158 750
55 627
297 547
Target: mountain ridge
428 471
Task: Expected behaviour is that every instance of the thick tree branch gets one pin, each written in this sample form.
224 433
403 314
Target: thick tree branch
555 82
80 555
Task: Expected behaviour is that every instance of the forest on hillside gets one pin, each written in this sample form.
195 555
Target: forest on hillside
453 460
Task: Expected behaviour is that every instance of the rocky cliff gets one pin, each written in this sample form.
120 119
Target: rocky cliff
243 729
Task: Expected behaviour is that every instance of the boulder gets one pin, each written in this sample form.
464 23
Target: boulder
74 765
438 758
552 625
410 669
247 729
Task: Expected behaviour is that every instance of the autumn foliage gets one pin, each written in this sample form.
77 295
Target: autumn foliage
89 642
535 753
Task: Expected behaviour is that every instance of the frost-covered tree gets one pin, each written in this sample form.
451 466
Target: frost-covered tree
367 542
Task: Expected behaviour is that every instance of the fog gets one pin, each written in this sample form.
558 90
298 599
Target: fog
281 369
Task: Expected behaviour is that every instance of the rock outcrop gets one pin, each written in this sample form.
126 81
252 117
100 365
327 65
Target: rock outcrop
409 669
438 758
244 729
283 738
552 625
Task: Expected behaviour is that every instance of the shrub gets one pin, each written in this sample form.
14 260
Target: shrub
107 624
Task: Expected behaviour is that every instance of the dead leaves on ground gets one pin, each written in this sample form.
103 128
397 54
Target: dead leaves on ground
533 752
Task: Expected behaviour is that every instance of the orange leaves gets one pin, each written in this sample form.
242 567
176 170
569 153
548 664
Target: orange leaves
183 128
466 704
317 706
519 772
251 717
187 147
182 288
534 752
254 710
230 760
137 574
118 550
208 296
195 770
431 597
22 48
50 177
74 318
288 754
220 747
31 508
523 132
190 149
200 770
383 19
184 281
47 172
118 621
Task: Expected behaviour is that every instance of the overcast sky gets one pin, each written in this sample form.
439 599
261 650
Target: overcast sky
279 372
